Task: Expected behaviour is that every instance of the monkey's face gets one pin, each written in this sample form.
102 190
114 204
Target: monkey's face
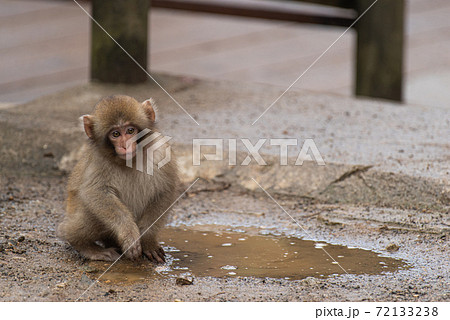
121 138
115 122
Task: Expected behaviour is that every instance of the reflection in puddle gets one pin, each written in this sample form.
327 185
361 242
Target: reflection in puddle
231 254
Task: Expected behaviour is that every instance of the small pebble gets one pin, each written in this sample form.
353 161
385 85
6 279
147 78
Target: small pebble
392 247
183 282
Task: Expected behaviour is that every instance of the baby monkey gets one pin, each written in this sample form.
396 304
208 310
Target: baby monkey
113 208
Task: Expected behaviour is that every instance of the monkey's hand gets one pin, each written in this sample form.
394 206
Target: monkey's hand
131 245
156 255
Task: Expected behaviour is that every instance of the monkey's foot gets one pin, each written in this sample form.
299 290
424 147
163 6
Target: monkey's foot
93 253
158 255
133 251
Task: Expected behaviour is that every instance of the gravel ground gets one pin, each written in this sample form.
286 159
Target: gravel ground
36 266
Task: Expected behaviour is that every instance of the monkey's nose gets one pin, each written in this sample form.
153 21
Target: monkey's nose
121 150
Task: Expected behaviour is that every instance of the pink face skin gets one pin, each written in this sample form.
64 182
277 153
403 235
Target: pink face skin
119 137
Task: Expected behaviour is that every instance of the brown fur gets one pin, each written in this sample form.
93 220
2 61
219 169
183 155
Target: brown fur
111 203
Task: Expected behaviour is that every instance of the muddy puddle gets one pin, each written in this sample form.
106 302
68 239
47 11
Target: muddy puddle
197 253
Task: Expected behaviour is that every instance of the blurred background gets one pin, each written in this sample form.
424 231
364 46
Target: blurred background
44 47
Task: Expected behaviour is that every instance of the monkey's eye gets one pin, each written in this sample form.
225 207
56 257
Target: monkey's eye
115 134
131 130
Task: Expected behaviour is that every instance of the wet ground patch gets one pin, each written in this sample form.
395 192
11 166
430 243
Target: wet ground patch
193 252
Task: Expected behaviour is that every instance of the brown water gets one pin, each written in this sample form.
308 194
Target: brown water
232 254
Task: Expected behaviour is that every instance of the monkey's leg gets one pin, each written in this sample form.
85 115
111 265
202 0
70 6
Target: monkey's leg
96 252
82 234
110 242
116 219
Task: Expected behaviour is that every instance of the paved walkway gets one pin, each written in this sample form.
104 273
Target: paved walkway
44 48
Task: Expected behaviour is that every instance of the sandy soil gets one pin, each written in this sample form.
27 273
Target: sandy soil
36 266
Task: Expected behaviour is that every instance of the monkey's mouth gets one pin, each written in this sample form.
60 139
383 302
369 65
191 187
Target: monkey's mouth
126 155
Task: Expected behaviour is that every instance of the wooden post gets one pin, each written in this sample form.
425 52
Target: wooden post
379 57
126 21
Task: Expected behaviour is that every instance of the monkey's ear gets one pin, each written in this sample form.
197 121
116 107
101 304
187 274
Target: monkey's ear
150 109
88 124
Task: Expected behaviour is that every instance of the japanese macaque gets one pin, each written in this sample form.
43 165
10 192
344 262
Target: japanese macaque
112 207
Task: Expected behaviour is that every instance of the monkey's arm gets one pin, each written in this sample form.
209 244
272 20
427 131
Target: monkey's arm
106 206
152 221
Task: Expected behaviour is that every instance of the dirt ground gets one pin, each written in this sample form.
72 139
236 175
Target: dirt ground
380 191
36 266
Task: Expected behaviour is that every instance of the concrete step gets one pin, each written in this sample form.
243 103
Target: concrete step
376 153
